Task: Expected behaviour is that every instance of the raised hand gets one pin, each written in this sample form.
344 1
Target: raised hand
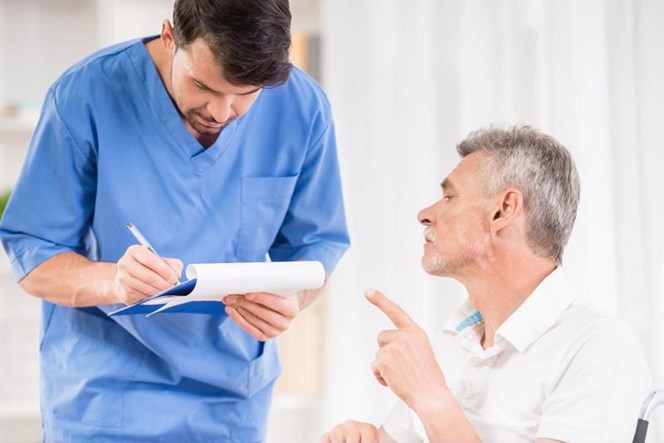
405 360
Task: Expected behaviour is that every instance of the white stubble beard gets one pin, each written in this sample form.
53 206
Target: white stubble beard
437 264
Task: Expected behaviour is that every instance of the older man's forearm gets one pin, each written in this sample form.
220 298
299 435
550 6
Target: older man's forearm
443 419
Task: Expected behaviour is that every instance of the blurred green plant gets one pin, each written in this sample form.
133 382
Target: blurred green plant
4 198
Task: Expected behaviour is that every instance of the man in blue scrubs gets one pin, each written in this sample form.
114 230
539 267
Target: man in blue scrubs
208 140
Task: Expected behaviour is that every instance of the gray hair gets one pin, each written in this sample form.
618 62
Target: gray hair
542 169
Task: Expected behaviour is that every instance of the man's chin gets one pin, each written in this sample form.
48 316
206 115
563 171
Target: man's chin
426 265
433 268
203 130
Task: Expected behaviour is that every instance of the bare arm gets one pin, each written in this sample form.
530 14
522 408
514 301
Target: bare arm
443 418
406 363
69 279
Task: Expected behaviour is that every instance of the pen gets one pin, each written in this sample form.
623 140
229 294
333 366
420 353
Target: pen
144 241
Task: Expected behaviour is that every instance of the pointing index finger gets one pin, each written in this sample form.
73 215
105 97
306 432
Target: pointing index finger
397 316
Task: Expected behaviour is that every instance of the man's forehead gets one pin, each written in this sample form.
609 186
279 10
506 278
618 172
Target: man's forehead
464 170
204 68
199 52
201 61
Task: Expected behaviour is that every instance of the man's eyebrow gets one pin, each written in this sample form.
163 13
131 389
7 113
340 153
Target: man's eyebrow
447 185
252 92
200 83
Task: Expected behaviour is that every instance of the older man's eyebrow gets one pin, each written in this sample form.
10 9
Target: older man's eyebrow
447 185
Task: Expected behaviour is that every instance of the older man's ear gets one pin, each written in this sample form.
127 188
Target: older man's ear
507 210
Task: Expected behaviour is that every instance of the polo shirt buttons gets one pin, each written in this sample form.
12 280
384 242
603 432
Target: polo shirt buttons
473 386
471 394
476 362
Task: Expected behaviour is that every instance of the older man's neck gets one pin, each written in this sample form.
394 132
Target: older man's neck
499 288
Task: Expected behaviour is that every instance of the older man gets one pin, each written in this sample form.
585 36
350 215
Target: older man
522 359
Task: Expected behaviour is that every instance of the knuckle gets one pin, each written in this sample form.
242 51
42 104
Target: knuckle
123 265
238 301
337 434
134 251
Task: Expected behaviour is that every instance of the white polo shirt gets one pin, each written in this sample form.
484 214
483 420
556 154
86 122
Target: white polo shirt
559 369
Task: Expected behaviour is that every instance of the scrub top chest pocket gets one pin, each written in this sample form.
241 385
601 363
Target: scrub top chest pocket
265 201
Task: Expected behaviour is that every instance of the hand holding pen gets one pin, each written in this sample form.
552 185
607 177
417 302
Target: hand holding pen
144 241
141 272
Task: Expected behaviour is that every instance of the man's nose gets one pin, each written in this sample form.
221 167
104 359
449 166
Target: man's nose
221 109
425 216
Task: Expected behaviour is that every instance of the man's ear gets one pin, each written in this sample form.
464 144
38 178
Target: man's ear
509 204
167 38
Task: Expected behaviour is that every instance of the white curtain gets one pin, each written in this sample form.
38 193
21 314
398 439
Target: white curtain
407 80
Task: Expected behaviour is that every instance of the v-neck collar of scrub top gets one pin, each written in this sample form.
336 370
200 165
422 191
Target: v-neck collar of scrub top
536 315
200 157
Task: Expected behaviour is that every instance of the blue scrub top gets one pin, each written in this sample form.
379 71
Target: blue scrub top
110 148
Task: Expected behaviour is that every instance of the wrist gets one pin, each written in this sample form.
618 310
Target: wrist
306 297
430 401
112 292
301 298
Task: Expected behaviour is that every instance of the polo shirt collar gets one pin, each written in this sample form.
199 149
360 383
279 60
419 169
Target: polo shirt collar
463 317
536 315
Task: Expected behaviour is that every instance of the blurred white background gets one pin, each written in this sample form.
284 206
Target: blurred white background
407 80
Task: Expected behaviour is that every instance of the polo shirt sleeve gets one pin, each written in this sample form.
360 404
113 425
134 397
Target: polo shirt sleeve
314 227
401 425
51 206
601 391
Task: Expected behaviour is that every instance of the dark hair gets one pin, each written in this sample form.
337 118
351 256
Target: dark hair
250 39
